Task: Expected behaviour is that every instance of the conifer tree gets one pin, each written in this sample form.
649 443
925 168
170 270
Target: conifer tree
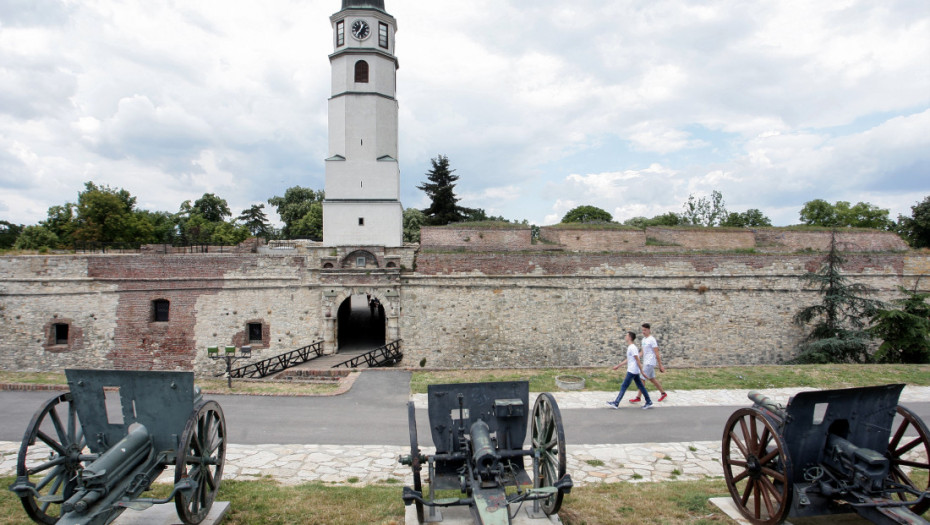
444 208
838 332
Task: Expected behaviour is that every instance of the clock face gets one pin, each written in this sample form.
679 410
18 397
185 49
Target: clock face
360 30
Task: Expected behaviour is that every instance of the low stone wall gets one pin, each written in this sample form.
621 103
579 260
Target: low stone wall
588 240
856 241
517 238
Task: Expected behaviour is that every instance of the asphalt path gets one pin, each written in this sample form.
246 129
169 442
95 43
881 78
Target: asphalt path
374 412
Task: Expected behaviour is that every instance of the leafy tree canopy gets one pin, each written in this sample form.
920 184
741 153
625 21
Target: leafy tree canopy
587 213
751 218
8 234
311 224
819 212
704 211
444 208
413 220
36 238
666 219
916 228
294 206
211 208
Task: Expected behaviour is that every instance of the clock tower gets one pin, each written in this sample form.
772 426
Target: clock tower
362 205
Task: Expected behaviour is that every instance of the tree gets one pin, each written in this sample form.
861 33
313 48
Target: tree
819 212
587 214
211 208
413 220
107 215
916 228
838 331
704 212
751 218
8 234
294 206
62 221
36 238
255 220
311 224
904 331
444 208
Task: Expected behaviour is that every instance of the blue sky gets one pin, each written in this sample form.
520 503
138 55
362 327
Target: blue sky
627 105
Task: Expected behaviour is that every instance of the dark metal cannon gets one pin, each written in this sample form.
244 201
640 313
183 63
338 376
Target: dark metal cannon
478 430
829 452
88 454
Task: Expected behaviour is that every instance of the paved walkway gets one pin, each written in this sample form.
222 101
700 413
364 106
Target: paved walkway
364 464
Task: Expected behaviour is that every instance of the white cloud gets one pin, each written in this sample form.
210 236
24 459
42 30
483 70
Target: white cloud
772 103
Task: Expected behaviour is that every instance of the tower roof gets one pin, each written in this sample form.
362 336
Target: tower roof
377 4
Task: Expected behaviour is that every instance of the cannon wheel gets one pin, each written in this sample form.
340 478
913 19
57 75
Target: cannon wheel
549 440
756 467
415 457
201 455
898 451
60 443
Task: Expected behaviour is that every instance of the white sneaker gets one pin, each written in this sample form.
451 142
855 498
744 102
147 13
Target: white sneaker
647 406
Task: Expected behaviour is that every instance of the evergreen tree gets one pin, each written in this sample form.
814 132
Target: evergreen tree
256 221
905 332
838 333
444 208
413 220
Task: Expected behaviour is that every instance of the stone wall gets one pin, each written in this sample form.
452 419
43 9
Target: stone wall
777 239
516 238
461 309
703 239
588 240
491 310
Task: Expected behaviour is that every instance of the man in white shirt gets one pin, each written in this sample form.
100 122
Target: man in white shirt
651 359
633 366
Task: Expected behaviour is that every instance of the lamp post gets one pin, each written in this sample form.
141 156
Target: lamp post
230 356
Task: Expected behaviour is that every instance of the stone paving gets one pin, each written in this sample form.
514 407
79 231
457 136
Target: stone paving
362 465
643 462
572 400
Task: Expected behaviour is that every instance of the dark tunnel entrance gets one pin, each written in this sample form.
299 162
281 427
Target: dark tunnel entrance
360 323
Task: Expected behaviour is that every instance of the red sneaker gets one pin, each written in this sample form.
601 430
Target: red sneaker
664 395
635 400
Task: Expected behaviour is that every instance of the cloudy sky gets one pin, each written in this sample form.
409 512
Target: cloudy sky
629 105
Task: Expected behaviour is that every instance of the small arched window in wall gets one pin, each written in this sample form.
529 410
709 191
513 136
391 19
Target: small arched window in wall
361 72
160 310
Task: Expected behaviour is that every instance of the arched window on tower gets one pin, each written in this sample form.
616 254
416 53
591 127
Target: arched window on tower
361 71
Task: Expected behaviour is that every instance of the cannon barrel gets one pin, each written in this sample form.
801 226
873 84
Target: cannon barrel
767 403
483 452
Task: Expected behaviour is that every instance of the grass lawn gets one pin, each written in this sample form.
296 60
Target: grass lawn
737 377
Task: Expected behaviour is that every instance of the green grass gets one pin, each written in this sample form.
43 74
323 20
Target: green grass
735 377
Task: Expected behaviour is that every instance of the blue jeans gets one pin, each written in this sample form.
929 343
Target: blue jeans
630 377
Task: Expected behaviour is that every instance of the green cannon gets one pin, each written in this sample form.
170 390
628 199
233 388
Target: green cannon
478 430
90 453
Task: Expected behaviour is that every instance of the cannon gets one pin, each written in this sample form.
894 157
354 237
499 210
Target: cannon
89 453
828 452
478 430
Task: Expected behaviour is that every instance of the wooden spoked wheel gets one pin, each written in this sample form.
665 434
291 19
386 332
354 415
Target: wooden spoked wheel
201 455
415 457
756 467
910 457
549 440
50 457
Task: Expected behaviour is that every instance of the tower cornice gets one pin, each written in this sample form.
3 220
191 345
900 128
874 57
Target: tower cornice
368 51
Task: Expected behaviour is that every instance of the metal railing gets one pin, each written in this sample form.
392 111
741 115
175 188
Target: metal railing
275 364
386 355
